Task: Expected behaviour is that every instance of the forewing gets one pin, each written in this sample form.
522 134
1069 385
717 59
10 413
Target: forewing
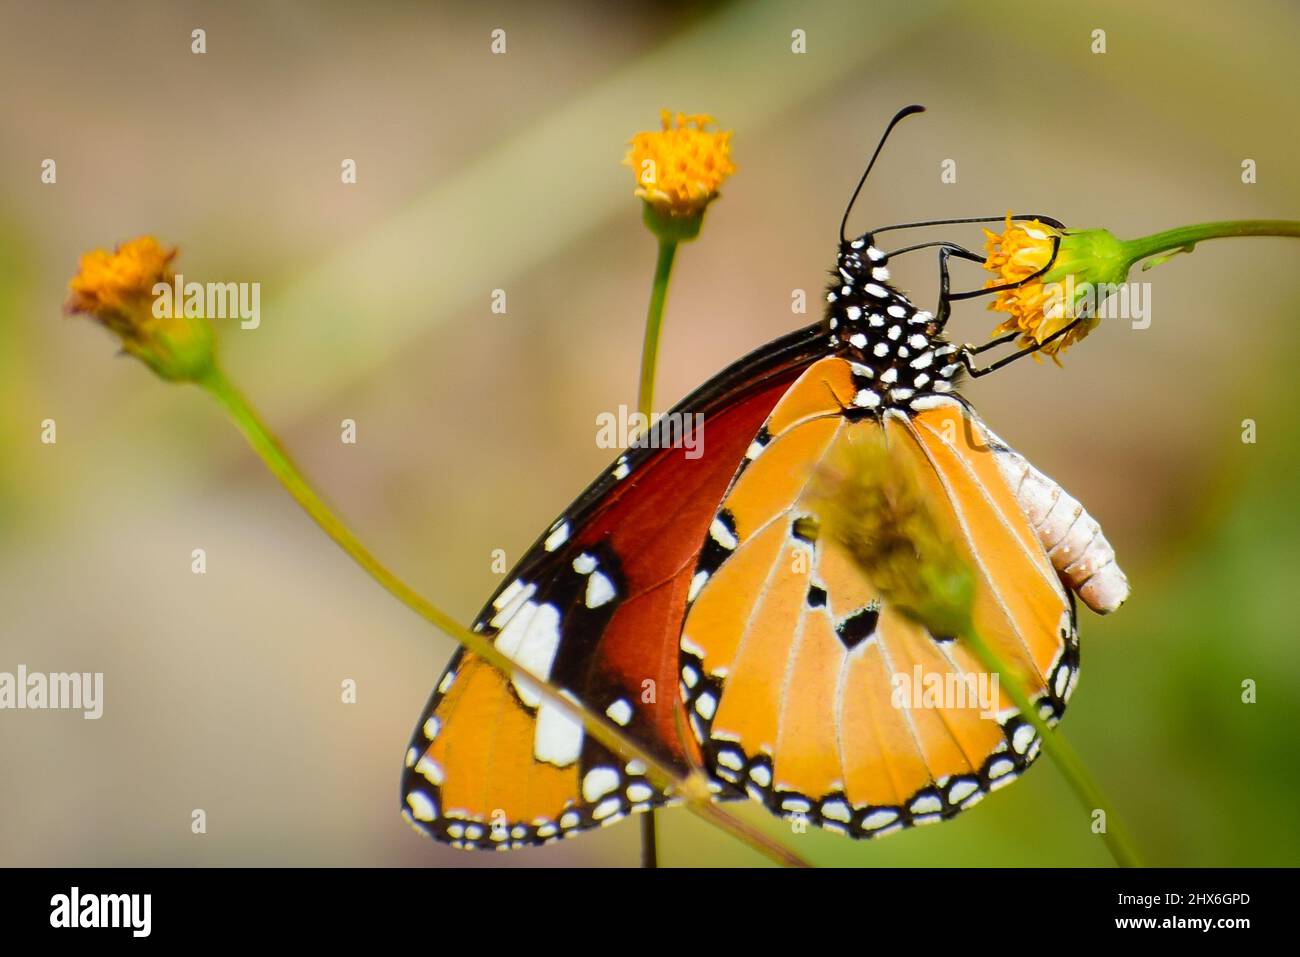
596 607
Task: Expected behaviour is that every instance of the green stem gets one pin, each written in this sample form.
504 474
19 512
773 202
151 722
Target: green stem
693 787
645 405
653 325
266 446
1185 238
1067 760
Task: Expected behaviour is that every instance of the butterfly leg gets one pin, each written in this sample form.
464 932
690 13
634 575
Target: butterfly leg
945 299
946 250
966 352
973 293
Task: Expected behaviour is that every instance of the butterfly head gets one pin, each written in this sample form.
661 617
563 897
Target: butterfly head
898 353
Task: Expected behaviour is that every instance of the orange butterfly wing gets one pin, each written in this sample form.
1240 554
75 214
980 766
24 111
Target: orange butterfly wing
792 663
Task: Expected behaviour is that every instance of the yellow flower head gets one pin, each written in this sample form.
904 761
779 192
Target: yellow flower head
680 168
117 290
1087 262
110 287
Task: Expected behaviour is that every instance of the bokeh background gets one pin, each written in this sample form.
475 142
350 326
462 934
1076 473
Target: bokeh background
479 172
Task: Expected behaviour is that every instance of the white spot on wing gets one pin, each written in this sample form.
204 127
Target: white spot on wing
518 599
620 712
706 705
422 806
1022 737
1000 768
599 590
722 535
961 791
638 792
731 759
837 811
430 769
878 819
598 782
507 594
927 804
559 535
534 649
557 738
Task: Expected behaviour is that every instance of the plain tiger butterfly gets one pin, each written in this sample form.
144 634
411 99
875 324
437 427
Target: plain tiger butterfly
693 592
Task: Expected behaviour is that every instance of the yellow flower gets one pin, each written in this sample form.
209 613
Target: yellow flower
109 286
680 168
117 290
1089 264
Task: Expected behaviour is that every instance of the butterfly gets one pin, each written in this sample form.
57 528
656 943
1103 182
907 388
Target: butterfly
692 600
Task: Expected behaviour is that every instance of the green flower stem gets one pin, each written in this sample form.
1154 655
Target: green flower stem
645 405
1185 238
654 325
693 788
669 232
1067 760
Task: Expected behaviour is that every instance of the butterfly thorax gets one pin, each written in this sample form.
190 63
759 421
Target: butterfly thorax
898 352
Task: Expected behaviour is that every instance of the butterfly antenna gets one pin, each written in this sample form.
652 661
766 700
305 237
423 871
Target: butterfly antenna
904 112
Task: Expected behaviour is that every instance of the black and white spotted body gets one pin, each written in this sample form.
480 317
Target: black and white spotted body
898 352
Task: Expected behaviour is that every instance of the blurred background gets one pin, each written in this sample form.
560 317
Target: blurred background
477 172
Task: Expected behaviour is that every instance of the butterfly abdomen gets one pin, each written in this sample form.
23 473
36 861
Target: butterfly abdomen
1072 538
